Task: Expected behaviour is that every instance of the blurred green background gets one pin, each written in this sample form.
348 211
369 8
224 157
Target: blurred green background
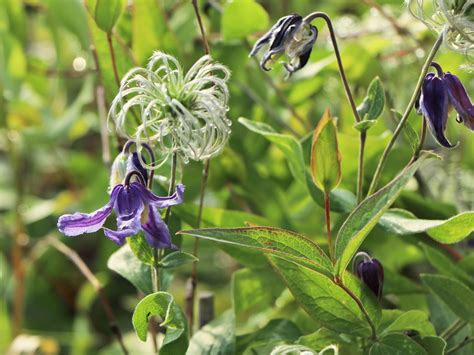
55 149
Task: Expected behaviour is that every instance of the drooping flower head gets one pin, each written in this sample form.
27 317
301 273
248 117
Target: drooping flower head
369 271
453 18
291 36
136 209
173 111
439 92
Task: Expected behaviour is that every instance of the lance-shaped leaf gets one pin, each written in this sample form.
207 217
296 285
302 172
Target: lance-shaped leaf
364 218
372 106
325 155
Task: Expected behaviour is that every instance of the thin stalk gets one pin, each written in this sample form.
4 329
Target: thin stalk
201 27
361 307
453 329
403 120
96 284
455 348
112 58
350 96
328 225
416 155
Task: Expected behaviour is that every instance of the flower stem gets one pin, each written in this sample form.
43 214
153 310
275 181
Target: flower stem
112 58
84 269
328 225
417 152
411 104
201 27
350 96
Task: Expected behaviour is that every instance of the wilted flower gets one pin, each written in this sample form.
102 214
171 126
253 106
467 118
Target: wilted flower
291 36
176 112
453 18
370 271
133 203
438 93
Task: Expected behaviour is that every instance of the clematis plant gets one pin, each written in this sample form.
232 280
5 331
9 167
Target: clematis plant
439 92
133 203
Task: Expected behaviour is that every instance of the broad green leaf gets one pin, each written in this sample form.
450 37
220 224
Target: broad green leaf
162 304
397 344
432 344
126 264
215 338
324 337
268 240
411 320
325 155
241 18
142 250
447 231
289 145
275 331
107 13
364 218
177 259
329 304
458 297
372 106
397 284
446 266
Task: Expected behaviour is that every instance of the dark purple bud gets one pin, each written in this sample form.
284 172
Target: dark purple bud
434 106
460 100
370 271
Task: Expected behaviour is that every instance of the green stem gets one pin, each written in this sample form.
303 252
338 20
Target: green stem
416 155
405 116
453 329
455 348
328 225
350 96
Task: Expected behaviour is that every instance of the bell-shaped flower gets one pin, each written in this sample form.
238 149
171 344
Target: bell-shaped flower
291 36
439 93
370 271
136 210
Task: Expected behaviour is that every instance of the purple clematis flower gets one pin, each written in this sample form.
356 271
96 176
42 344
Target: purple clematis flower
440 92
292 36
133 203
370 271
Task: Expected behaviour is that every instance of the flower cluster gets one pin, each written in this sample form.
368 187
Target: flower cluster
453 18
173 111
292 36
439 92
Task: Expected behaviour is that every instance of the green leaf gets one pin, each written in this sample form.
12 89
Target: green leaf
142 250
126 264
409 132
364 125
411 320
241 18
322 338
107 13
268 240
447 231
177 259
397 344
372 107
289 145
325 301
215 338
364 218
446 266
458 297
162 304
325 156
432 344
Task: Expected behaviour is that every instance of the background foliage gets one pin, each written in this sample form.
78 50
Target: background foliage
55 151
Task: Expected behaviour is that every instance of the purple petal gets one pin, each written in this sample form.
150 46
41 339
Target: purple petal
119 236
161 202
371 273
129 202
434 107
460 99
80 223
156 231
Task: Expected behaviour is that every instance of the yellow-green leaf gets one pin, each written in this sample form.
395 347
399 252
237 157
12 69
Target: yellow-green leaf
325 155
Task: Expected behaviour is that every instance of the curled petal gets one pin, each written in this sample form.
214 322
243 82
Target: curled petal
119 235
460 99
80 223
273 34
162 202
300 55
156 231
434 107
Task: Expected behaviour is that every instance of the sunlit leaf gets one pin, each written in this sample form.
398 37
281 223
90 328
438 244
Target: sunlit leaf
372 106
241 18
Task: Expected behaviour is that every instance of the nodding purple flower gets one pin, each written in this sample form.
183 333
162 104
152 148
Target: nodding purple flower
292 36
136 210
370 271
439 92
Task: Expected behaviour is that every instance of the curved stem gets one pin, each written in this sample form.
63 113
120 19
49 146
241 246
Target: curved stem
416 155
411 104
